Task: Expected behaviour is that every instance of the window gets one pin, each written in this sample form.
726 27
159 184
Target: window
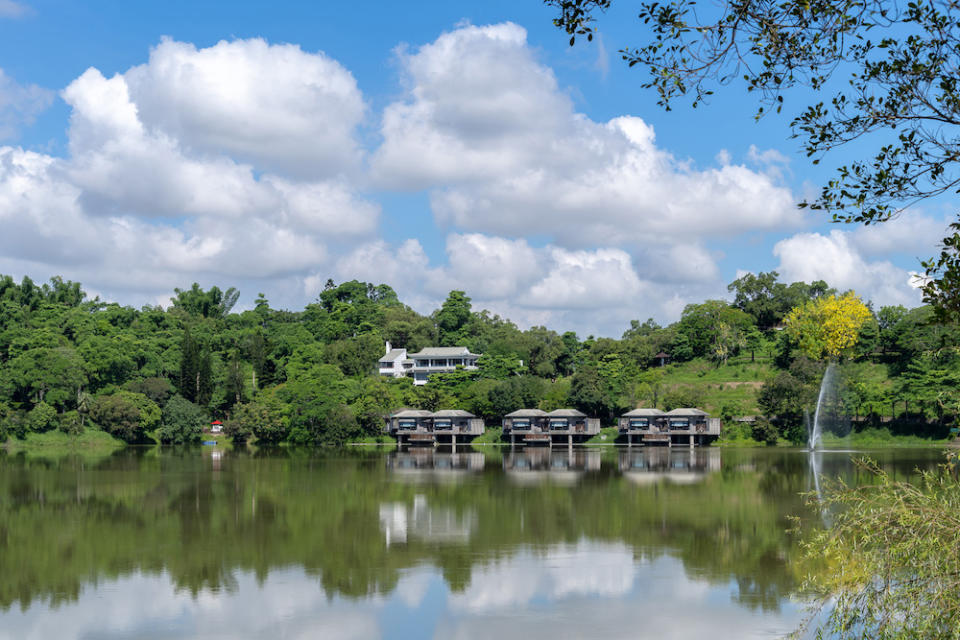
407 423
521 423
443 423
558 424
639 423
679 423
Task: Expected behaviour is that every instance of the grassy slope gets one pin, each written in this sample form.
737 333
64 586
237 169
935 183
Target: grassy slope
738 382
56 444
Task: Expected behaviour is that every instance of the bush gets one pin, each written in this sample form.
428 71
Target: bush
682 396
126 415
730 410
894 552
764 431
183 422
119 416
734 431
42 418
71 424
259 419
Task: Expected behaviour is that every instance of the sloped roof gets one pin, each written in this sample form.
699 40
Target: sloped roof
686 411
442 352
453 413
412 413
566 413
393 355
526 413
643 413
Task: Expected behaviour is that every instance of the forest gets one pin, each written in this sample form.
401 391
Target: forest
74 365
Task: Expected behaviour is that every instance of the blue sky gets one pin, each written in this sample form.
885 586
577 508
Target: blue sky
144 146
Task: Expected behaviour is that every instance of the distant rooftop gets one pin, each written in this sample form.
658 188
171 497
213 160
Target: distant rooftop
412 413
393 355
526 413
566 413
687 411
442 352
453 413
643 413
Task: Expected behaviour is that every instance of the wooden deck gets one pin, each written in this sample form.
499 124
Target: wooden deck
656 437
421 437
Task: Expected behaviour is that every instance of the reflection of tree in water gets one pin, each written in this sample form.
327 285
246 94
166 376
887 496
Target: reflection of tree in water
66 524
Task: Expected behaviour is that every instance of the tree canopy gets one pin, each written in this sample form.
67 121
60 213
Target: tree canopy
310 377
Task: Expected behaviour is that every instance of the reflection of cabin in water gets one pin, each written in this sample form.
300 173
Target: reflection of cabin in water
535 426
539 464
679 426
418 426
422 464
680 466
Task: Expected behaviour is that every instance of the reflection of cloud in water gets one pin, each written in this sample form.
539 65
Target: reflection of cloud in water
586 589
598 590
289 604
606 570
400 522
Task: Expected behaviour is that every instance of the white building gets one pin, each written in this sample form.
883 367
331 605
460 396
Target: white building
420 365
395 363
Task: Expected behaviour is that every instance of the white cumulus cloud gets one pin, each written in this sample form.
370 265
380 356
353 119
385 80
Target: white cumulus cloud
485 126
224 165
275 106
836 258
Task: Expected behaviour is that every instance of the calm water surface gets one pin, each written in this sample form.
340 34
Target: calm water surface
601 542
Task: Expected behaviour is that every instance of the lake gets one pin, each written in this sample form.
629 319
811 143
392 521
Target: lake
482 543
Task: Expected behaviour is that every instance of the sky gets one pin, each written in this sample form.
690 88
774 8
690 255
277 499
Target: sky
430 146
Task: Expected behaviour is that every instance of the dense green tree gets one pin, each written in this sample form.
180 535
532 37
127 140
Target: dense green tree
768 301
236 382
266 418
713 328
51 375
587 392
157 389
682 396
208 304
518 392
183 422
188 383
319 407
42 417
126 415
452 316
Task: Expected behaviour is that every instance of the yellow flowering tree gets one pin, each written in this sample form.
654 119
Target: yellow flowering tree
827 327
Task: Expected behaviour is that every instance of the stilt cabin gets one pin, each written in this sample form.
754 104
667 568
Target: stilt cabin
563 426
450 426
680 426
572 422
526 425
